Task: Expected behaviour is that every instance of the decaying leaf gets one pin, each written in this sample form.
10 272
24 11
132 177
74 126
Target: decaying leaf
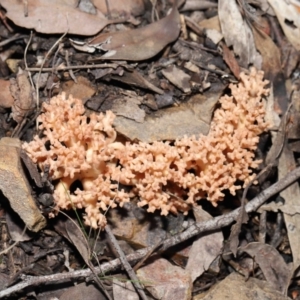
133 7
54 17
74 235
205 249
288 15
82 89
237 33
272 264
291 196
124 290
135 227
270 53
134 78
286 208
230 60
15 187
236 287
23 95
128 107
294 123
139 44
179 78
16 229
189 118
82 291
166 281
6 99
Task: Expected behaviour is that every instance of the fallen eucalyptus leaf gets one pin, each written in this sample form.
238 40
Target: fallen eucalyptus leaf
287 13
139 44
237 33
24 96
14 185
291 195
273 266
54 17
178 77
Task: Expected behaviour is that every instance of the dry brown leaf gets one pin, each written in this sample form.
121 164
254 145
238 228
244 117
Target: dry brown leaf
237 33
177 77
291 196
134 78
6 99
24 96
15 187
211 23
197 5
54 17
81 291
82 89
133 7
139 44
135 226
16 229
294 123
271 65
270 53
286 208
205 249
288 15
236 287
72 232
273 266
231 62
124 290
189 118
128 107
166 281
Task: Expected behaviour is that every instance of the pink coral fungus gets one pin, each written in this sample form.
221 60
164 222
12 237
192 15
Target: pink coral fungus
167 177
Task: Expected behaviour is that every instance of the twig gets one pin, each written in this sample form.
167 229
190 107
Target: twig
41 68
262 227
125 263
17 36
25 57
3 18
213 224
68 64
20 125
65 68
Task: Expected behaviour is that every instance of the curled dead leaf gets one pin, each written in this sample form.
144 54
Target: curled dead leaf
24 96
139 44
273 266
15 187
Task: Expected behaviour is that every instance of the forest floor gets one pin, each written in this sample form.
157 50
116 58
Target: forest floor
210 208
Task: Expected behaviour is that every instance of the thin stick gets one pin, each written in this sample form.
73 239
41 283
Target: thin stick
41 68
25 58
125 263
17 36
65 68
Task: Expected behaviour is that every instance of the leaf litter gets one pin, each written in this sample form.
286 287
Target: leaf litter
161 69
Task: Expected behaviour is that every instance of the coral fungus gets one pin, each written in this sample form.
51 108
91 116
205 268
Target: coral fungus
164 176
